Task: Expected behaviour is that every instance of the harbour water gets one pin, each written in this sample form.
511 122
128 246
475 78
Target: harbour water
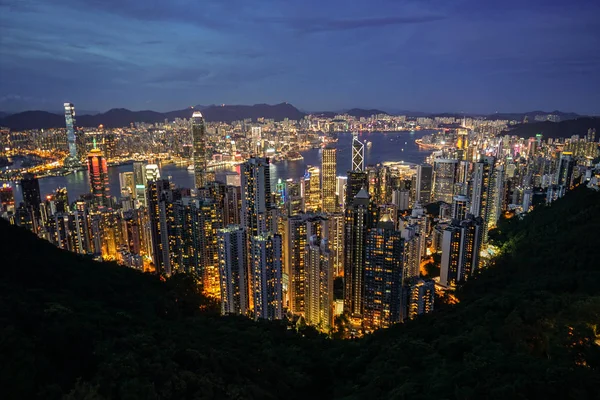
385 146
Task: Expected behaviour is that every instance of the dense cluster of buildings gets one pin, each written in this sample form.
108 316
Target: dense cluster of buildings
274 251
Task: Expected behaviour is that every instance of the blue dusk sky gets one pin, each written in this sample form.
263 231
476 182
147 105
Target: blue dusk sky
477 56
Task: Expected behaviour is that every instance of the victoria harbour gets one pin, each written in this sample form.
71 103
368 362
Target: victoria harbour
385 146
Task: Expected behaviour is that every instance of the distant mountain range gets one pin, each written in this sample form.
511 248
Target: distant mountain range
119 117
578 126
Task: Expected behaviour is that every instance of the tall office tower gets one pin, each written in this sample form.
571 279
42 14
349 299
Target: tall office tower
383 275
400 198
233 272
139 173
294 197
98 175
460 208
356 181
358 154
424 183
298 229
152 173
81 232
318 284
312 193
31 194
444 174
200 154
72 159
461 244
257 203
328 181
419 296
340 190
126 183
160 250
336 242
414 233
266 276
358 220
564 172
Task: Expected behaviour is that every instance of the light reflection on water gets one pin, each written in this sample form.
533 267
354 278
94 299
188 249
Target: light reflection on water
386 146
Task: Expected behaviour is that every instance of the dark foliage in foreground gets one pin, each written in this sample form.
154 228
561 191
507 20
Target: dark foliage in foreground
526 328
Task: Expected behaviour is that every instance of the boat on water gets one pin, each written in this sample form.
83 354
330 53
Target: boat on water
369 144
190 168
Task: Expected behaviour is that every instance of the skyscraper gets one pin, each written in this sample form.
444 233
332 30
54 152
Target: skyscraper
72 159
328 181
318 284
312 190
126 183
383 275
444 174
257 203
233 273
158 233
336 242
266 270
357 180
564 172
200 154
461 245
358 154
152 173
31 193
424 183
358 221
98 175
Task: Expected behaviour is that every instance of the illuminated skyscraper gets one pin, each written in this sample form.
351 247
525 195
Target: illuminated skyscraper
266 275
383 275
200 153
72 159
424 183
358 221
340 190
233 272
564 172
460 207
336 242
312 190
444 174
126 183
158 231
257 203
318 284
297 231
358 154
98 175
328 182
294 199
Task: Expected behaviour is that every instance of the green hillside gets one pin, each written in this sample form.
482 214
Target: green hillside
526 328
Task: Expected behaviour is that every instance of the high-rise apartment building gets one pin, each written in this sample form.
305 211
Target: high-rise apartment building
358 220
257 205
318 284
461 245
328 181
233 271
31 194
266 276
200 154
383 275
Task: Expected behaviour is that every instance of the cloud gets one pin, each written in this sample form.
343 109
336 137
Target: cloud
311 25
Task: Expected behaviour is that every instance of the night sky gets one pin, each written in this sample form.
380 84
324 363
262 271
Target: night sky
474 56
